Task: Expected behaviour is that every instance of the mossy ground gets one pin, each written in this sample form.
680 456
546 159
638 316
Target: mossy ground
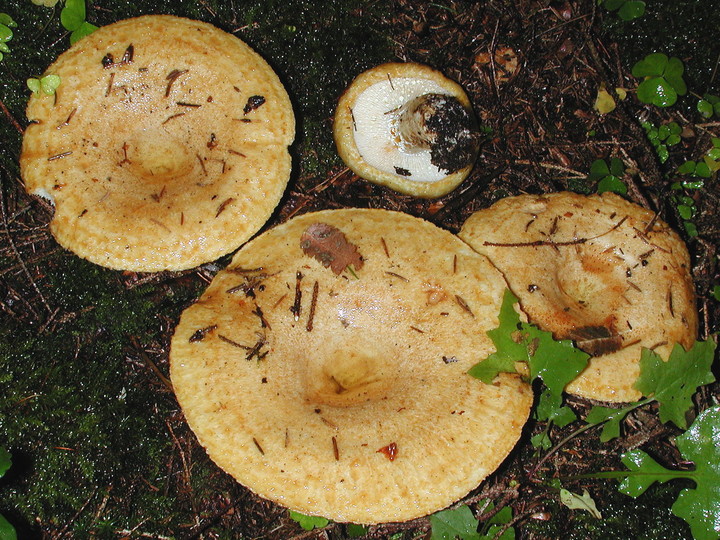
100 448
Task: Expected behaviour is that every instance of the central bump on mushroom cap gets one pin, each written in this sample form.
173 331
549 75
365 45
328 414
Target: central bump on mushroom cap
153 153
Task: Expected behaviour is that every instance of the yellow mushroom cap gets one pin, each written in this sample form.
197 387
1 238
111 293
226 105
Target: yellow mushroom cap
597 269
346 395
165 146
370 141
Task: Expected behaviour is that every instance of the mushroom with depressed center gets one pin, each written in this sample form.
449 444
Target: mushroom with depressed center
165 146
408 127
326 367
596 269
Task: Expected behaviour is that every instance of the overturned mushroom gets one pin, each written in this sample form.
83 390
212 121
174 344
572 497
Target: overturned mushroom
597 269
408 127
165 146
349 396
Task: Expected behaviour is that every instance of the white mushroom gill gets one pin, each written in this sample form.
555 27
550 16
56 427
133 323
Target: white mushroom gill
376 115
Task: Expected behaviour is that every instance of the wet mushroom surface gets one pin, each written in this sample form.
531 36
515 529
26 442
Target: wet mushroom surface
99 443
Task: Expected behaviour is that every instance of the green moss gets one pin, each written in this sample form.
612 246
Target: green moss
646 518
86 426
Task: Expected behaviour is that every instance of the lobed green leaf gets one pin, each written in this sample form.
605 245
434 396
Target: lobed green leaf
673 383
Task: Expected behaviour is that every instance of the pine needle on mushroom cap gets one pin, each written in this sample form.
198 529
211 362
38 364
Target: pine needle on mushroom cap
596 269
164 147
326 367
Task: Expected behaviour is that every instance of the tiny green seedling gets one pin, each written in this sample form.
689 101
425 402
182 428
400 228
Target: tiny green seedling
72 17
627 10
47 84
662 79
709 106
662 137
608 176
6 25
309 522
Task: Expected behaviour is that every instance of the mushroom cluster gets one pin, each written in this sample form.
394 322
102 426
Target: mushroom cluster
156 160
596 269
326 367
408 127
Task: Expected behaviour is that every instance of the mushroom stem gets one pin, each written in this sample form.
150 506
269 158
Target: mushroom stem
439 123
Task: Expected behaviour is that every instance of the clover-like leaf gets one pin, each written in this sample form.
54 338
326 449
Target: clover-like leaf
631 9
85 29
308 522
73 14
653 65
657 91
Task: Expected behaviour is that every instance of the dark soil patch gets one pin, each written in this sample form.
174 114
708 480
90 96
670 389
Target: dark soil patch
100 447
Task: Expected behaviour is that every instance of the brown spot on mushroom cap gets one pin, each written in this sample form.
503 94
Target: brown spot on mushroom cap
135 128
597 269
401 179
361 376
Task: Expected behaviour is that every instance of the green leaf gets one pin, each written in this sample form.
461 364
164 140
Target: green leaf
580 502
33 84
612 5
612 417
452 524
686 212
673 383
700 507
49 83
547 409
7 531
355 531
644 472
613 184
673 74
5 461
653 65
85 29
509 348
496 523
7 20
702 170
617 168
687 168
672 140
690 229
631 10
308 522
716 292
657 91
555 362
5 33
73 14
